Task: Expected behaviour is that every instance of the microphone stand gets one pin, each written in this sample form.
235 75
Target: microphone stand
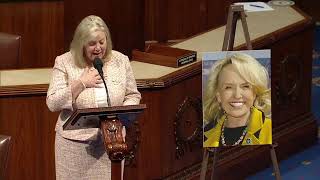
114 143
105 85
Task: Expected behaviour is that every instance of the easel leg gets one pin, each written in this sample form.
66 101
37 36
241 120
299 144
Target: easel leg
245 30
235 12
275 161
229 29
204 164
215 154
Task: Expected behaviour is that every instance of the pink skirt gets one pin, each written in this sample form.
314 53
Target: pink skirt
81 159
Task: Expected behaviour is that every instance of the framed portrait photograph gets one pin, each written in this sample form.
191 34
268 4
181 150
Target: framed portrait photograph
236 98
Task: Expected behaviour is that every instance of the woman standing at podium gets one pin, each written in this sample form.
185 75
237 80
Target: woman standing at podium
237 103
75 84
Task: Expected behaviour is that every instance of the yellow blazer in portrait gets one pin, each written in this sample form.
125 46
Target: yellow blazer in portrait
259 131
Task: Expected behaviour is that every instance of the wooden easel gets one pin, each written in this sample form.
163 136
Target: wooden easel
235 12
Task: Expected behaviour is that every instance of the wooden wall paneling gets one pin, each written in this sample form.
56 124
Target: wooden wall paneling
75 12
217 13
40 24
128 25
125 20
186 18
172 20
30 124
149 20
156 20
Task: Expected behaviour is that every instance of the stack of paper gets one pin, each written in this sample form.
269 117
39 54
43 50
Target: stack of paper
255 6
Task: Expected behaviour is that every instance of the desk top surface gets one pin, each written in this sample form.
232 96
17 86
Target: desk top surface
42 75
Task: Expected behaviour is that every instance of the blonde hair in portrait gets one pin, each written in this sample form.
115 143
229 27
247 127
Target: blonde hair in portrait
82 36
250 70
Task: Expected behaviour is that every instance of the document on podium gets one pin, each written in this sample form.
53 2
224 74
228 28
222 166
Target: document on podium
255 6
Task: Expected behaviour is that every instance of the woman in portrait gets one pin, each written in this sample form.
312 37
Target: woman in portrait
76 84
237 103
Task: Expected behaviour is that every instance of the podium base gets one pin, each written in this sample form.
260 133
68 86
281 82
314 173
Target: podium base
116 170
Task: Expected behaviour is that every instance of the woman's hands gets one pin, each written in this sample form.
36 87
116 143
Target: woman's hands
90 78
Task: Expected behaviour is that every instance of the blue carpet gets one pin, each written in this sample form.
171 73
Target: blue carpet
304 165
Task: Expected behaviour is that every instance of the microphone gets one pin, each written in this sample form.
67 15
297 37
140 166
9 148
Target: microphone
98 64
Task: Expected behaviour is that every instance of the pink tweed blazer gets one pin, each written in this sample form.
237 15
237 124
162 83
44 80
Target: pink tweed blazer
119 79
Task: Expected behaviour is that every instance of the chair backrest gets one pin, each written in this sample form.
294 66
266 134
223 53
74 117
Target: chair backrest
5 142
10 46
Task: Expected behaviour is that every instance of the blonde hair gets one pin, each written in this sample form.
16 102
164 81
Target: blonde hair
82 36
250 70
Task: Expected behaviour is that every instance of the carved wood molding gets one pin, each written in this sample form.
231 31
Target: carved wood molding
118 149
188 126
38 89
113 139
133 135
288 86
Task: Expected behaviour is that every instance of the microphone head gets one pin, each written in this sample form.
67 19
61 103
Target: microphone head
98 64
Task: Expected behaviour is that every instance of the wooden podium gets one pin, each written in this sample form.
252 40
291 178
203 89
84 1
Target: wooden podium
110 120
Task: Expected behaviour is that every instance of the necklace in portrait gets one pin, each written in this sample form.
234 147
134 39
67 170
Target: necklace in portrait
223 139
